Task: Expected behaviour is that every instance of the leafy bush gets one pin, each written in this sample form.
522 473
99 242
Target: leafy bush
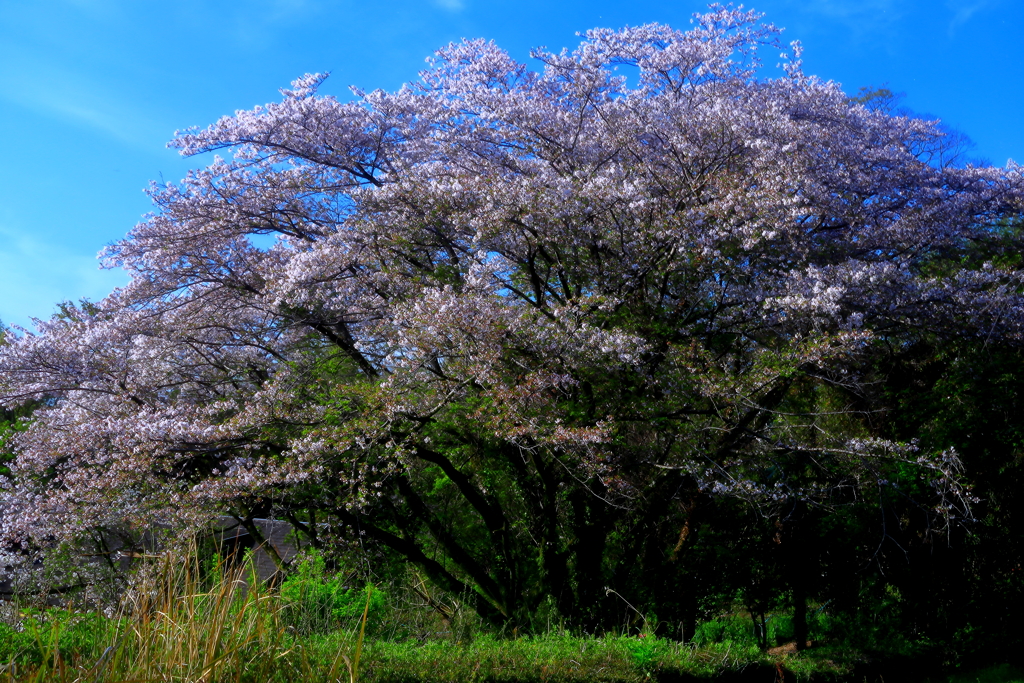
740 629
318 602
44 634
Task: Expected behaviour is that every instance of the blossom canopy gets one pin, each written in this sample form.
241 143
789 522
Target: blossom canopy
548 291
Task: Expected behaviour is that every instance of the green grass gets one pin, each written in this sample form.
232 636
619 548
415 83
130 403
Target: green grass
187 626
553 657
200 639
1003 673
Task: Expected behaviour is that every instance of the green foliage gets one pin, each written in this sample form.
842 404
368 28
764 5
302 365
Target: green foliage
1004 673
741 630
42 635
11 422
725 629
966 591
211 631
646 650
317 601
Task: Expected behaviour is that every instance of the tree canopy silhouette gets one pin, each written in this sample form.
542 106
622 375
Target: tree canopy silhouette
514 320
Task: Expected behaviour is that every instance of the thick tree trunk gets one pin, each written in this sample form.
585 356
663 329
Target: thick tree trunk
799 566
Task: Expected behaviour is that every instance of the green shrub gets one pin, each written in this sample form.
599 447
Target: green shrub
728 628
316 601
46 633
740 629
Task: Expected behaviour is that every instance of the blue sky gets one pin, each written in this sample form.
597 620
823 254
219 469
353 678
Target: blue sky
91 90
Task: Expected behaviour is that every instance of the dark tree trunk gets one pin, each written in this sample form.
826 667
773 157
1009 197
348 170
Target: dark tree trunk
800 611
688 624
799 565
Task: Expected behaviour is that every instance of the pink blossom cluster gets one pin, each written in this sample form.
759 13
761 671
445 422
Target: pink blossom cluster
647 209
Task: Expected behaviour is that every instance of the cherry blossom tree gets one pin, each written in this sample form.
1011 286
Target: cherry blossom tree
510 317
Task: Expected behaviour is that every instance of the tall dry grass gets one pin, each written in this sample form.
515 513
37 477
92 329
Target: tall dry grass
187 625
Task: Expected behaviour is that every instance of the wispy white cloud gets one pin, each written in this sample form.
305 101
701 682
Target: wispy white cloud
451 5
289 7
63 94
881 9
34 277
254 24
862 18
964 10
102 8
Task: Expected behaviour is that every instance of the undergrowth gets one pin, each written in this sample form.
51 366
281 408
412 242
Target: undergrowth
189 623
